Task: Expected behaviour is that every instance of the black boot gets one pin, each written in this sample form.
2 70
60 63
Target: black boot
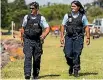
70 70
27 77
35 77
76 73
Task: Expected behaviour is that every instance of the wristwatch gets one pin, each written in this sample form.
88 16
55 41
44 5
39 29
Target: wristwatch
88 38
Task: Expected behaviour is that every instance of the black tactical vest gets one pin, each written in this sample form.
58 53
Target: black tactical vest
33 29
74 25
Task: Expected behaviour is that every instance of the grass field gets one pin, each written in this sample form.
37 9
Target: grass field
53 63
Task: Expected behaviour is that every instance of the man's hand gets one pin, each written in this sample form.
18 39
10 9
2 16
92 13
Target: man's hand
88 41
22 32
62 41
42 37
44 34
62 35
22 43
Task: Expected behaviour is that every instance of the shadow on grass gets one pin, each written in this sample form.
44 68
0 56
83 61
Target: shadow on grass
88 73
51 75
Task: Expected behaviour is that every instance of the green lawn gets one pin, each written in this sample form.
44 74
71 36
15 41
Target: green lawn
53 64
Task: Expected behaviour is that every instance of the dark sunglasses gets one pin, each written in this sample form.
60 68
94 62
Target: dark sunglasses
32 8
73 6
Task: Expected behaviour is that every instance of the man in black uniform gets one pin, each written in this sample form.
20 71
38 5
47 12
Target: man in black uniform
32 37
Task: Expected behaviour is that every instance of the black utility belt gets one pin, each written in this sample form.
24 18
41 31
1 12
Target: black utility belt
74 34
32 38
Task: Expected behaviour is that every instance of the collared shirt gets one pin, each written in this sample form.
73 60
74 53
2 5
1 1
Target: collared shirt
43 22
84 19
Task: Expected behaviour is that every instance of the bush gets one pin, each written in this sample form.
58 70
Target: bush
94 12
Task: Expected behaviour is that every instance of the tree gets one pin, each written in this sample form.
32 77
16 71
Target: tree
20 4
55 11
14 12
92 14
4 8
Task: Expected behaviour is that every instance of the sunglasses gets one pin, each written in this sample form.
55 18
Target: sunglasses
73 6
32 8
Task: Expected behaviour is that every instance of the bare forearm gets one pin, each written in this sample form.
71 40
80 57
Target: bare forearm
22 32
46 32
62 31
87 30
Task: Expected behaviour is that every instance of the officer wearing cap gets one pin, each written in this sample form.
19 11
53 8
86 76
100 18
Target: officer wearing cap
75 24
32 35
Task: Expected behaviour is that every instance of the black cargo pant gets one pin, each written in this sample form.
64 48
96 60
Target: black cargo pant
32 48
72 49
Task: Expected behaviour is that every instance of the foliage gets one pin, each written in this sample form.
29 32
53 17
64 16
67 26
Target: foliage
55 22
18 9
14 12
52 12
4 6
94 12
55 11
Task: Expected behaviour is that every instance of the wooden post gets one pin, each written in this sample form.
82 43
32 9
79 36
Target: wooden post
12 24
